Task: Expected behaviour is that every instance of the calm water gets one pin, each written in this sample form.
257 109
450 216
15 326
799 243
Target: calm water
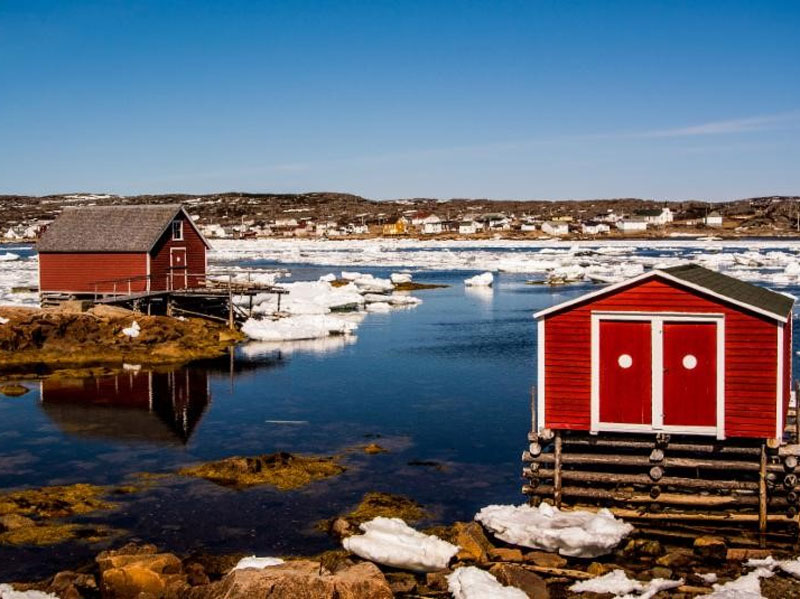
446 382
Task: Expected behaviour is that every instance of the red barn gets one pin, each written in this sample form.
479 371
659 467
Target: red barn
682 350
121 249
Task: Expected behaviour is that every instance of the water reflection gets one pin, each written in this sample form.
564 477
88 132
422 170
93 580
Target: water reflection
154 407
321 346
484 294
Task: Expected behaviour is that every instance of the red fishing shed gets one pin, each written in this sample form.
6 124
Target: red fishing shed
121 250
680 350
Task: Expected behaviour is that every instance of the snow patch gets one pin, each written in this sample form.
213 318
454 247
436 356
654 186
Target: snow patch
257 562
391 542
132 331
473 583
618 584
8 592
574 534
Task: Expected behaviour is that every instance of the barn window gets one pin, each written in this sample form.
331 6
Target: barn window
177 230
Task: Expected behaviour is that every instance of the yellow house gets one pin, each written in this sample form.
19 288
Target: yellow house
399 227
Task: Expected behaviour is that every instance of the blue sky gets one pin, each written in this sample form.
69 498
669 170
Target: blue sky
504 99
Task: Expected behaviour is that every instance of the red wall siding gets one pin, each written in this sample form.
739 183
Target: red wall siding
750 357
80 272
195 257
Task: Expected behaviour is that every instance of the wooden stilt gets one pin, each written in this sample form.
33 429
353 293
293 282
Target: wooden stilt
762 494
557 470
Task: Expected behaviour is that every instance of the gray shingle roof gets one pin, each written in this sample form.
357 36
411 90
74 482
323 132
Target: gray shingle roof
108 228
734 289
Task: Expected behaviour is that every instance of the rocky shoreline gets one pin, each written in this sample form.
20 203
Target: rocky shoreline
140 570
59 340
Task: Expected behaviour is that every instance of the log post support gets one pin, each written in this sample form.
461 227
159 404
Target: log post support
762 494
557 470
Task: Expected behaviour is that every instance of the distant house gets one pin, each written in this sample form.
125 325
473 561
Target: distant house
527 227
432 225
496 222
555 228
418 218
714 219
632 224
657 217
467 227
564 218
398 227
594 228
354 229
121 249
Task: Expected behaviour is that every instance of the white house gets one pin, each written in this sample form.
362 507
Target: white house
527 227
633 224
714 219
354 229
431 225
467 227
554 228
594 228
655 216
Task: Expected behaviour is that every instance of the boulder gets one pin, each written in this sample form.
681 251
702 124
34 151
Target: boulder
297 579
505 554
530 583
473 544
437 581
709 547
545 559
401 582
677 558
136 571
14 522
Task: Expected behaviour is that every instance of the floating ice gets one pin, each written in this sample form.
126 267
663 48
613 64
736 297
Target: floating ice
9 257
400 277
257 562
473 583
391 542
307 326
379 307
574 534
482 280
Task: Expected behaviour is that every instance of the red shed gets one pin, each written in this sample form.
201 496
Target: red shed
682 350
121 249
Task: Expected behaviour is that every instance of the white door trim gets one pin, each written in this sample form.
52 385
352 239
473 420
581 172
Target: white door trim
657 320
540 354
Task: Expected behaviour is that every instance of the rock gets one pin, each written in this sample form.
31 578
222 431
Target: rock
14 521
643 547
13 390
598 569
516 576
72 585
504 554
374 448
133 571
437 581
677 558
545 559
335 560
401 582
740 555
474 546
661 572
196 574
296 579
341 528
709 547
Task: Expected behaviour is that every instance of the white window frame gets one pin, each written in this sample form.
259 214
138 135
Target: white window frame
179 236
657 320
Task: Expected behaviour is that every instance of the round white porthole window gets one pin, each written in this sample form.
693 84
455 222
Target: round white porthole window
689 361
625 361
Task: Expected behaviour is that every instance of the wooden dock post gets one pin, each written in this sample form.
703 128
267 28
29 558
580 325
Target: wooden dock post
762 495
557 470
231 322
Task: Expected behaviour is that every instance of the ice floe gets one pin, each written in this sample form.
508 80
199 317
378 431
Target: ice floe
303 326
257 562
473 583
482 280
571 533
391 542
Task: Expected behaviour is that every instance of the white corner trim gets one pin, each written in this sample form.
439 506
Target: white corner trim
779 392
664 275
540 395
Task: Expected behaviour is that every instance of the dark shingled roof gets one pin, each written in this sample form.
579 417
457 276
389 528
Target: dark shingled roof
734 289
108 228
